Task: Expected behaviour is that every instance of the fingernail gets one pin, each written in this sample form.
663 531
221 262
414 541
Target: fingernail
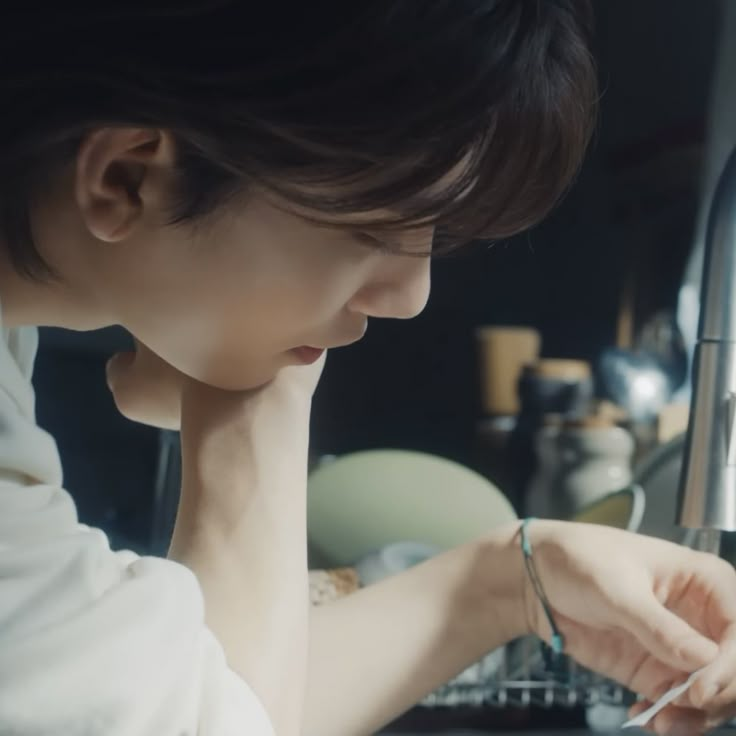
709 692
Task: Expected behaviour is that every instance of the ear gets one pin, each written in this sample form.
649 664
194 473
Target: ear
121 174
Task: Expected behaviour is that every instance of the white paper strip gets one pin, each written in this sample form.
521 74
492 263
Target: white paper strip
643 718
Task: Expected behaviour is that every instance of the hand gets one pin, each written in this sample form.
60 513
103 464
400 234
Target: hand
148 390
644 612
221 420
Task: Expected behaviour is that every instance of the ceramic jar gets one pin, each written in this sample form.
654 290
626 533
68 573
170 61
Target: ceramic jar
578 463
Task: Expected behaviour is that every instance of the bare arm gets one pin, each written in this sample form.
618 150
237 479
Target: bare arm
377 652
241 528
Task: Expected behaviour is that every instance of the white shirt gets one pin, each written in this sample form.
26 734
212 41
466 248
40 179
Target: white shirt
94 642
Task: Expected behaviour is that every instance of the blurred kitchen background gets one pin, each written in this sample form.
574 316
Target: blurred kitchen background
582 392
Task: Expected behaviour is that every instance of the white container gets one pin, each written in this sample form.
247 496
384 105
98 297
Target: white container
578 464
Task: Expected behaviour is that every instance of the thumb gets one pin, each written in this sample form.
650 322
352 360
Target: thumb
145 388
666 636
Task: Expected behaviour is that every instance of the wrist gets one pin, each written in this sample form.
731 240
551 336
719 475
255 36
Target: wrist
507 594
245 451
545 538
235 425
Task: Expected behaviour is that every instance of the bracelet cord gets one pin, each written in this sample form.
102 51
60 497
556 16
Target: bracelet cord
558 640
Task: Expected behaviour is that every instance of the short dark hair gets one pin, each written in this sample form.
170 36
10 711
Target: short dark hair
340 107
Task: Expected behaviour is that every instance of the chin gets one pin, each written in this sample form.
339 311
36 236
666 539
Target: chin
245 380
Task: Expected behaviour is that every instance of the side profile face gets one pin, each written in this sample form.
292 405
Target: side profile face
226 302
241 186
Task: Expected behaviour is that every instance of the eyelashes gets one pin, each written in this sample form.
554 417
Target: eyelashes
371 241
383 246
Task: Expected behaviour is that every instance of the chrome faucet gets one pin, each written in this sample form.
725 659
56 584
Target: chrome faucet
707 498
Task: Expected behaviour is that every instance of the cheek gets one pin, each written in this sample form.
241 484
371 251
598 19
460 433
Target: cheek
232 341
229 318
227 365
241 343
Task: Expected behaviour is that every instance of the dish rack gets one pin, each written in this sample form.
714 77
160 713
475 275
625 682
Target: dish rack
527 673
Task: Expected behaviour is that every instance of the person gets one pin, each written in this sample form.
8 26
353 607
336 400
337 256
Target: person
242 188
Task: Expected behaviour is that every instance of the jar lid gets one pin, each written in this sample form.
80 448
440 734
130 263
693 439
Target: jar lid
591 421
563 369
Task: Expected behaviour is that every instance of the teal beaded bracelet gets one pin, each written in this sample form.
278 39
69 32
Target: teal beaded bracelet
558 640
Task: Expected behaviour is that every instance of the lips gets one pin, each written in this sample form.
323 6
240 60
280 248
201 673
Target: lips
311 353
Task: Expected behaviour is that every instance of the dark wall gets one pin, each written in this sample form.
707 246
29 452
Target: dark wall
109 462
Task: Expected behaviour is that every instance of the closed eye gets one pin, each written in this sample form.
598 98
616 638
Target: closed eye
373 242
386 246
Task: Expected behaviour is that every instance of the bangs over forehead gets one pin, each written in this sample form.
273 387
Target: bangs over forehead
485 159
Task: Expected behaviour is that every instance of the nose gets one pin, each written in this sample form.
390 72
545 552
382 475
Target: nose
399 290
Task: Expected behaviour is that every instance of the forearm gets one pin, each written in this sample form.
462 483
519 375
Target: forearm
241 528
377 652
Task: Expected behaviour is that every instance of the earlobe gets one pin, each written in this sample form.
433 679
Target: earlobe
111 169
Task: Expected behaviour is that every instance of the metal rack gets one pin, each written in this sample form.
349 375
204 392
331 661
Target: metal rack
523 674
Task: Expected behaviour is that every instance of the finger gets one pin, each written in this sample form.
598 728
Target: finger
666 636
639 707
718 718
715 688
716 581
144 387
652 679
304 377
116 367
674 721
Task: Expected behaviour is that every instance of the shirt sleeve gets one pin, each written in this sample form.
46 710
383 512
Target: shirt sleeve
100 642
96 642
